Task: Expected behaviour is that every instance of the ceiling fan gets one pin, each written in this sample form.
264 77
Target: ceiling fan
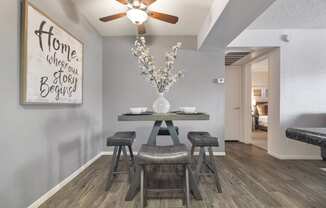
138 14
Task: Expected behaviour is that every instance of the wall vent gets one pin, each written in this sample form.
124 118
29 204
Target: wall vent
233 57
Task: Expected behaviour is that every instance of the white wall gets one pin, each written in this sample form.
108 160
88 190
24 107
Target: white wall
40 145
227 19
275 132
302 80
259 79
124 87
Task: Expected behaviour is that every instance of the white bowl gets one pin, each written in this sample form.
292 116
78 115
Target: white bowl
188 109
143 109
138 110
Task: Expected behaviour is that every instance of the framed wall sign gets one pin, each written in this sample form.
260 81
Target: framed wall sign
51 61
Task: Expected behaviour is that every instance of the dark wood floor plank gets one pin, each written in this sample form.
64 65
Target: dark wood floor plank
248 175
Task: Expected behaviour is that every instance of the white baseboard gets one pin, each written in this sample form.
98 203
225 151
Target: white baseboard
219 153
214 153
107 153
55 189
295 157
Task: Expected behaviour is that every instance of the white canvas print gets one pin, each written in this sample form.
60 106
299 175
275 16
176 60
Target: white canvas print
52 61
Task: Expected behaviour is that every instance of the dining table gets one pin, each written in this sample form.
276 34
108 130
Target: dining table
159 119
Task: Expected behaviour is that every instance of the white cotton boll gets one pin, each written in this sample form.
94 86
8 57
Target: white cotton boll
161 78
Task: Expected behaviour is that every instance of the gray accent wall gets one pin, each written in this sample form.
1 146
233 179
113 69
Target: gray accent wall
40 145
124 87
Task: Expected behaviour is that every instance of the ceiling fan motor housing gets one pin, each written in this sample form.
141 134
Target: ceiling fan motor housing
138 14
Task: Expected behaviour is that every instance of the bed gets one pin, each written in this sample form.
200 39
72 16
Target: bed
262 109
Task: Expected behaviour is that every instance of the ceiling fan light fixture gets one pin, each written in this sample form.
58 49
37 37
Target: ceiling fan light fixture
137 16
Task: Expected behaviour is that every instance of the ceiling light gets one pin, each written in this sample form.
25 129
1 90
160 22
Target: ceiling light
137 16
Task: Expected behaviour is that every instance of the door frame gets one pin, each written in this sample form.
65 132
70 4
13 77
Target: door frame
247 93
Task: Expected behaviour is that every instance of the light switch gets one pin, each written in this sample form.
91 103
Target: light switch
218 81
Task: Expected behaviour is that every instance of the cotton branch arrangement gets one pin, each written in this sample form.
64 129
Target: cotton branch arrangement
161 78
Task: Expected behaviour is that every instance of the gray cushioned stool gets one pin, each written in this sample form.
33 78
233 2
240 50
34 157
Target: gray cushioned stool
120 141
150 155
204 140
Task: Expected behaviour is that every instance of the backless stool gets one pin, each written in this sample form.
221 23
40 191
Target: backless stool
204 140
150 155
120 141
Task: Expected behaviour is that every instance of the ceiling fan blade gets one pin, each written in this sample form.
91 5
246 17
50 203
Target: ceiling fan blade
164 17
122 1
113 17
141 29
148 2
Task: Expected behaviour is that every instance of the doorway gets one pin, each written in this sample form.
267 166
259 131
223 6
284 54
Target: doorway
251 89
259 102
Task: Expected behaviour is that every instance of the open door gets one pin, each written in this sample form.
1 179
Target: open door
232 103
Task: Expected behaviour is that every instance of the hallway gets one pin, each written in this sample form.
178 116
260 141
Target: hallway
259 139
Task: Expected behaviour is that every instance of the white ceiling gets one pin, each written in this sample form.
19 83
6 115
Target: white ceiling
293 14
191 15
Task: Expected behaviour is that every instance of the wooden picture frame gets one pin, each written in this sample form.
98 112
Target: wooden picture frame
257 92
51 60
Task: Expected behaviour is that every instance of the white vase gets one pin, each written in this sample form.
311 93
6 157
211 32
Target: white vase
161 104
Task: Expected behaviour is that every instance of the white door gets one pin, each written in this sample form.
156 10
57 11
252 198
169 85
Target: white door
232 102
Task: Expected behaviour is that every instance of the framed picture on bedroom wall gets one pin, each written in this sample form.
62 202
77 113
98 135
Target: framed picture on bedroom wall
51 61
257 92
260 93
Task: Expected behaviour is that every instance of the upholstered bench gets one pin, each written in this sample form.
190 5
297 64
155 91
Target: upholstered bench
314 136
150 155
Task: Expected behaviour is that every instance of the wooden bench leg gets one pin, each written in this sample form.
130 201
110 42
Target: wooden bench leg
217 180
193 183
131 154
132 162
116 164
192 156
127 160
187 200
209 163
199 163
113 163
143 185
135 184
192 152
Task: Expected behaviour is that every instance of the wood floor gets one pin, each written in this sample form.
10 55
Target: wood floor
259 139
250 178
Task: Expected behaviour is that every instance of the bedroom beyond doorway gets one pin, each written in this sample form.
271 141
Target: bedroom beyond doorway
259 102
